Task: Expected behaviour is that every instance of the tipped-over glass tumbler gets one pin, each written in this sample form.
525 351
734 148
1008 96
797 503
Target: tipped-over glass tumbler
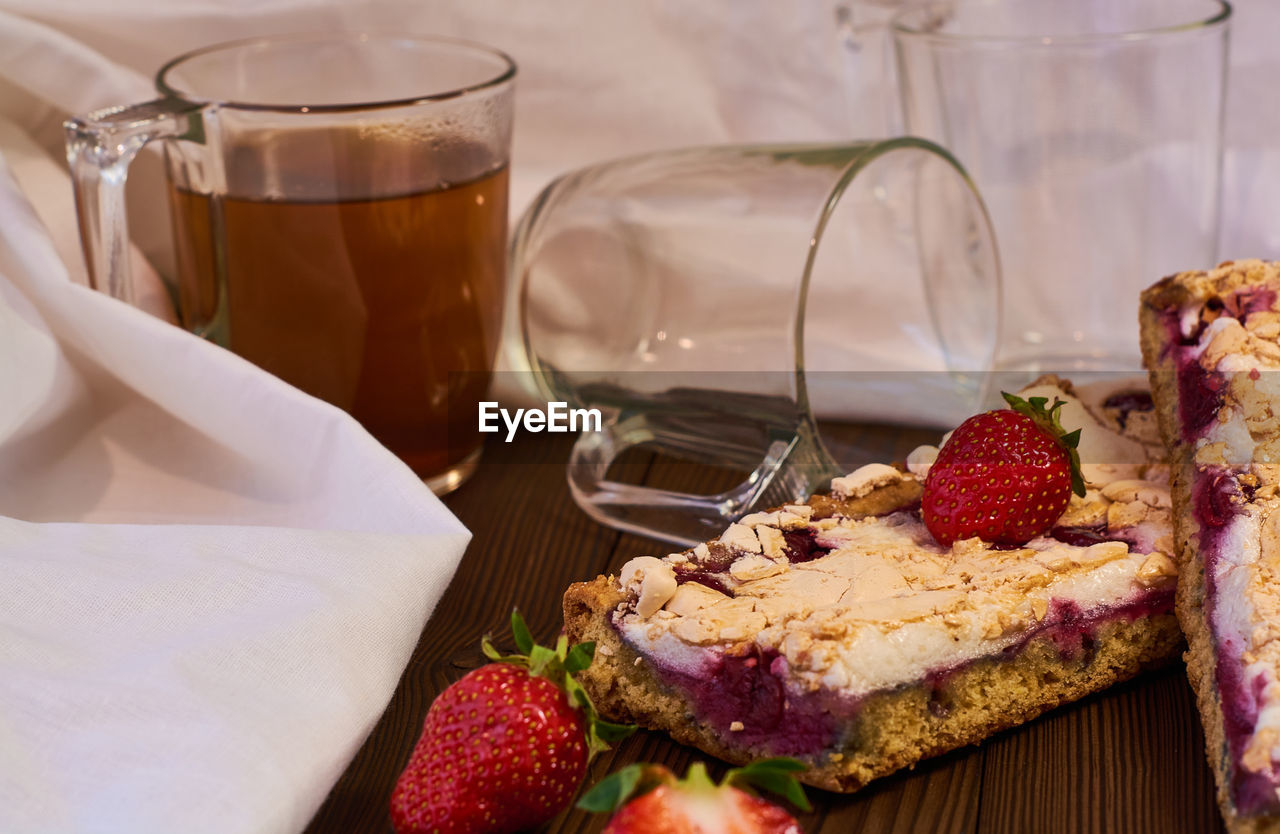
711 302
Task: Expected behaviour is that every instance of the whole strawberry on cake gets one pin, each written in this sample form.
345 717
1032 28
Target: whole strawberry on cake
910 611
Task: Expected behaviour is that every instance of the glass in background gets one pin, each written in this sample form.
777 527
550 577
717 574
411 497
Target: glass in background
1093 129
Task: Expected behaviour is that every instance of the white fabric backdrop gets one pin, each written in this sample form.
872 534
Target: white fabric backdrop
597 80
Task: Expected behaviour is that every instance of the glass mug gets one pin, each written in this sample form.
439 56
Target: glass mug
709 301
339 207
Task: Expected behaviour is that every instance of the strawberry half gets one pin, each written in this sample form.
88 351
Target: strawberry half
506 747
648 799
1003 476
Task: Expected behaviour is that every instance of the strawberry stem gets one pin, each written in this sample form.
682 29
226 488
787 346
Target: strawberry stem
696 777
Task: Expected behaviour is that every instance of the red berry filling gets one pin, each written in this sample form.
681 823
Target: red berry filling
1199 396
1128 402
1200 391
802 545
750 690
1217 498
746 699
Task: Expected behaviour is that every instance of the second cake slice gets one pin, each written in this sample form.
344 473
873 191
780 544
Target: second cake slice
1211 341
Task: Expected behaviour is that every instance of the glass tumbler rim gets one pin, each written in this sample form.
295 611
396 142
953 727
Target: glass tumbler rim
873 151
905 28
505 71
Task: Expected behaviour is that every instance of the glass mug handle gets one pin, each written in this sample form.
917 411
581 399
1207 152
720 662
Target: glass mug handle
794 465
864 33
100 146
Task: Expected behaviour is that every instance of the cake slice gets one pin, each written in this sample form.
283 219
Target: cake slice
1211 341
840 632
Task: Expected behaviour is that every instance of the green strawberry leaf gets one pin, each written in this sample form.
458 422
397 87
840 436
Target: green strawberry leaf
608 731
782 764
577 695
579 657
775 776
600 733
486 646
520 633
613 791
542 661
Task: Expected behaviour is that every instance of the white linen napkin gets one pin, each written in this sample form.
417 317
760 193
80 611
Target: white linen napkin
210 583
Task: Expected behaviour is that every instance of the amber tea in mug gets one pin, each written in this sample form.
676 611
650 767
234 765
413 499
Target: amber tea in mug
351 242
387 307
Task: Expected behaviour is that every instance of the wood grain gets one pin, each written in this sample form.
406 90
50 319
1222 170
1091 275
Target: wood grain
1128 760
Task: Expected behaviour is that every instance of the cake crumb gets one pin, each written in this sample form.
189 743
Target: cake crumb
737 727
754 567
1156 569
921 459
863 480
772 542
741 537
650 581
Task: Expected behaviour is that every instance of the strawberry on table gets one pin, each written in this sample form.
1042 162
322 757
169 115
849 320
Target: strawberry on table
1003 476
506 747
648 799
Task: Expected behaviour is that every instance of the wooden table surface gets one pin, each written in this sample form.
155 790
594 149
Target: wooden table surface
1127 760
